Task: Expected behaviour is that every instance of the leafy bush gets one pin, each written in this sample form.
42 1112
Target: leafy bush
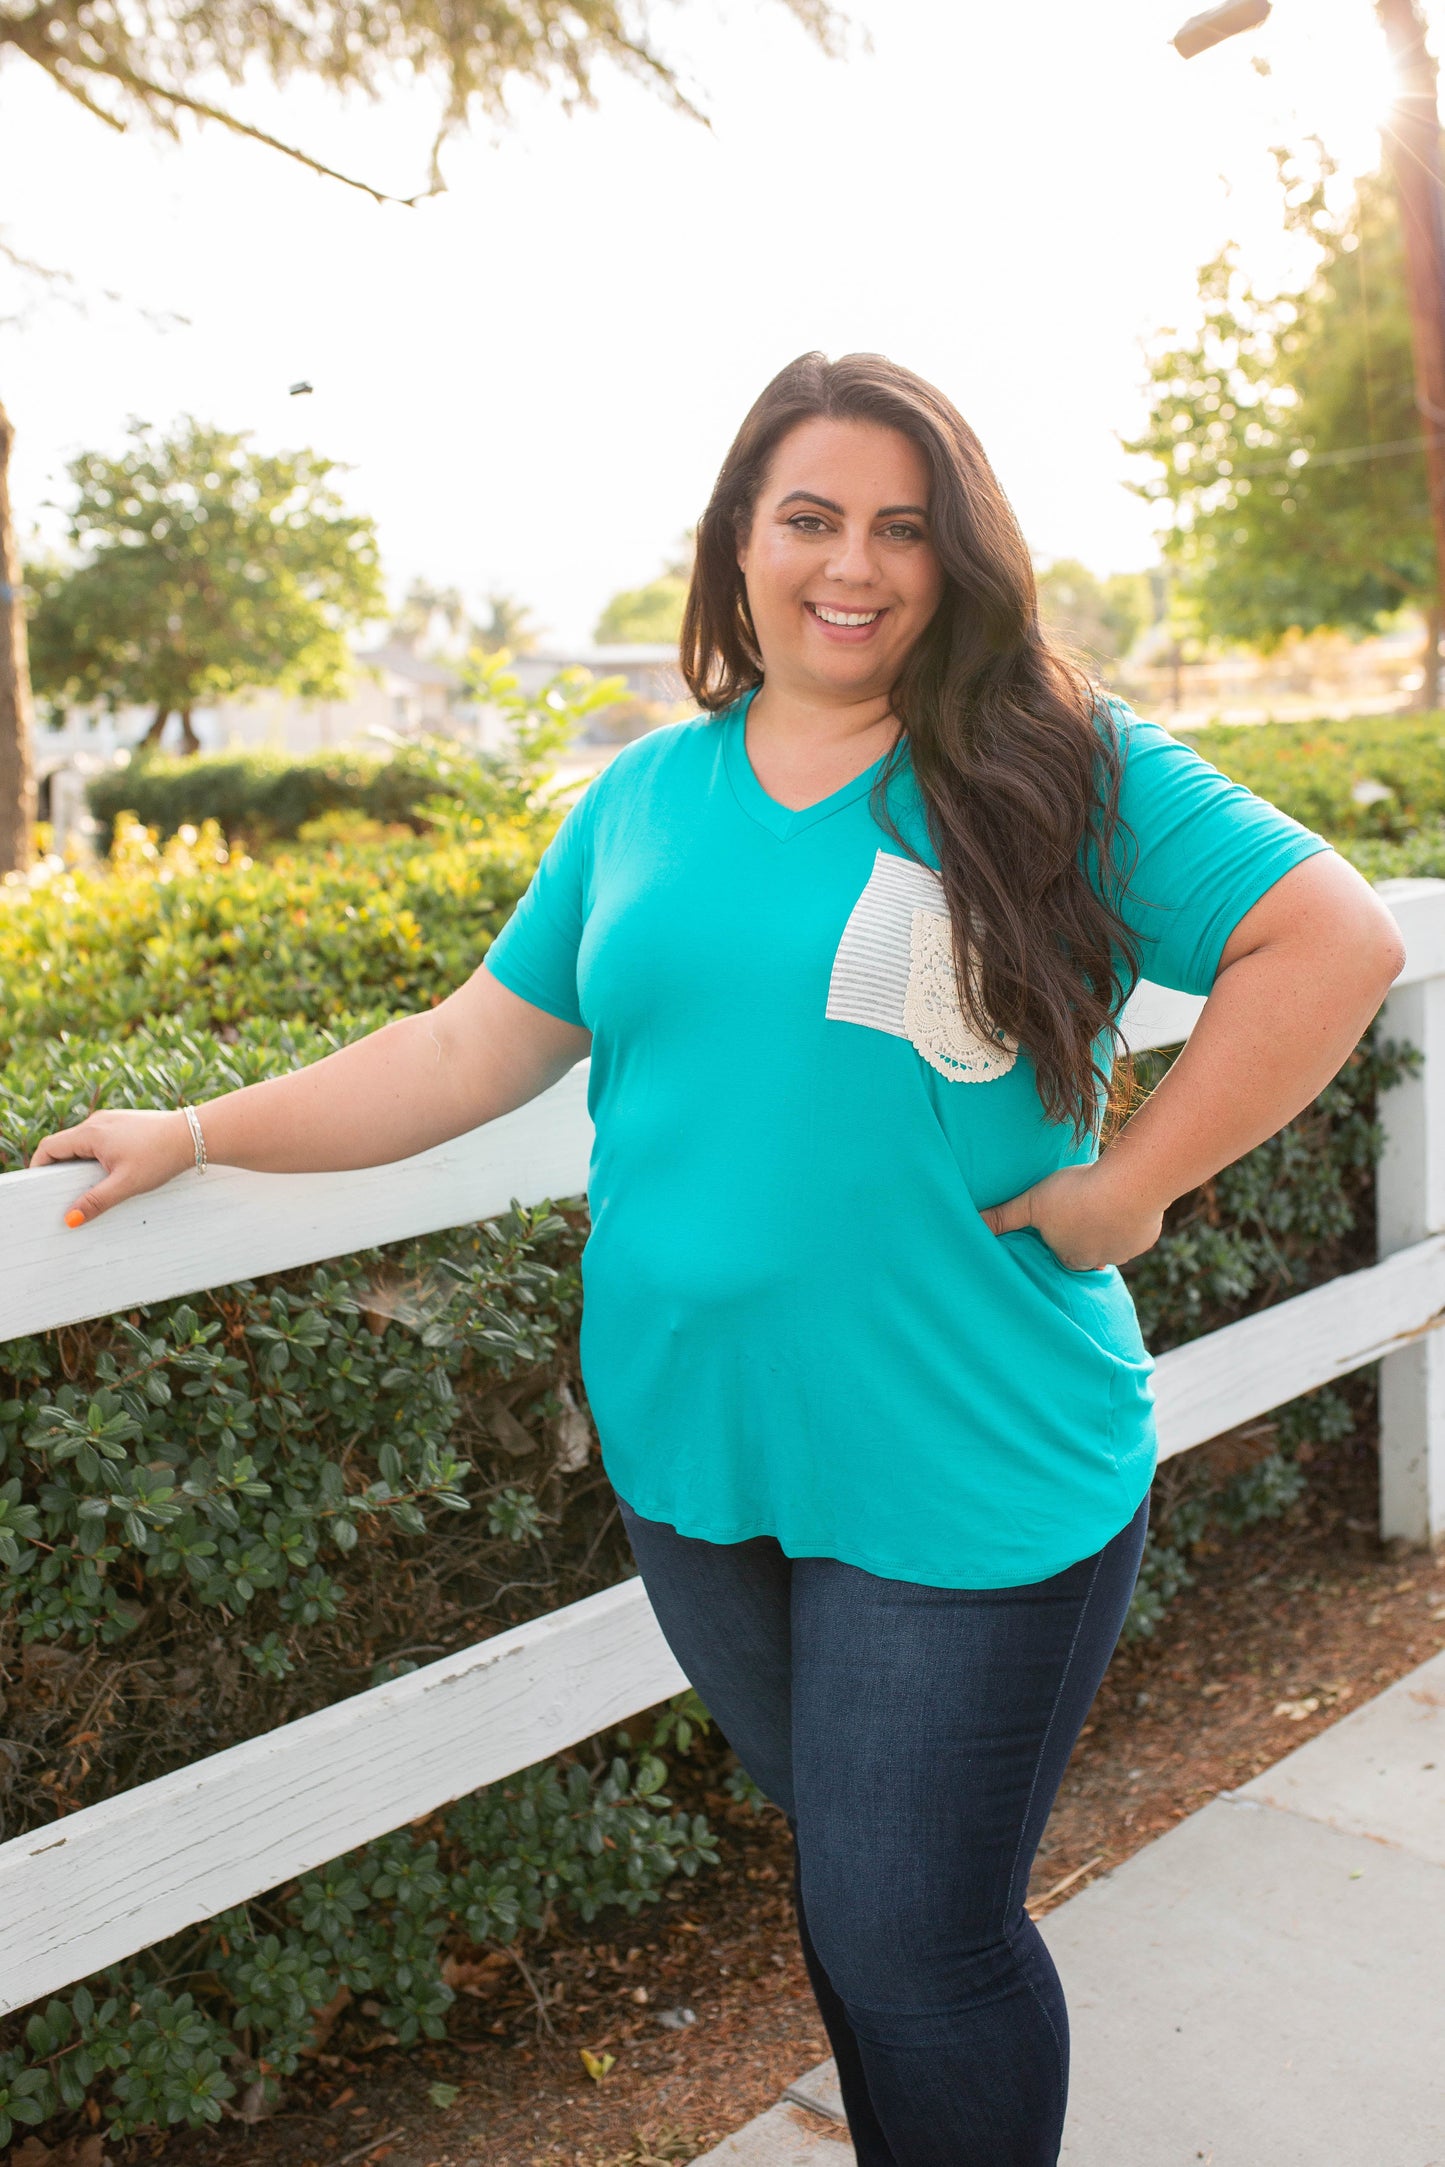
1295 1211
380 1922
263 797
216 944
246 1448
1376 777
1420 857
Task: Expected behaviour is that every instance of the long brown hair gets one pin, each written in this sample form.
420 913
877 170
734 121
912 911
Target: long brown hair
1017 761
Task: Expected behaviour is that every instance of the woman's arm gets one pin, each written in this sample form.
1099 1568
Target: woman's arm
1299 981
413 1083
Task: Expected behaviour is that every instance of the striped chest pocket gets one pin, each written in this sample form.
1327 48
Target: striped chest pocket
893 972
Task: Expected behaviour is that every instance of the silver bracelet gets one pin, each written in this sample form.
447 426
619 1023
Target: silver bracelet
196 1137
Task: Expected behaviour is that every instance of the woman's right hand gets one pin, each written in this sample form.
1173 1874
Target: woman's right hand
136 1151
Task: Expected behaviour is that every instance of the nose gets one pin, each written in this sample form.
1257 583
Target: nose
851 560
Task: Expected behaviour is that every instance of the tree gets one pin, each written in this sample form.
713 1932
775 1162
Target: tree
204 569
1287 439
147 64
508 625
150 65
650 614
423 607
436 621
1100 617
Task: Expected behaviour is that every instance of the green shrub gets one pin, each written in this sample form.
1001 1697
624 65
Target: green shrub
379 1922
1313 770
1295 1211
1420 857
1329 774
258 798
214 942
374 1440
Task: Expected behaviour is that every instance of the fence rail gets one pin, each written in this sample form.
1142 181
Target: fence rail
110 1879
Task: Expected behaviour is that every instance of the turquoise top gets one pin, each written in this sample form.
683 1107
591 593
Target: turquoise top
795 1322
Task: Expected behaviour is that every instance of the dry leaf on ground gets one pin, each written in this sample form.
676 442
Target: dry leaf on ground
75 2152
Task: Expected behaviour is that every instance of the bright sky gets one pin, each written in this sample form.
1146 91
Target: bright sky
534 376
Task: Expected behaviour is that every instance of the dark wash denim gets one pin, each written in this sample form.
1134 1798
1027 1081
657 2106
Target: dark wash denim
915 1737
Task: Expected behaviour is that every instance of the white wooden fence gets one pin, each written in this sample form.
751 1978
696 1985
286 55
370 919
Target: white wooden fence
106 1881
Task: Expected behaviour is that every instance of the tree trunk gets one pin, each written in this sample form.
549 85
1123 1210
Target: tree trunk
17 768
190 743
1413 144
1430 659
157 729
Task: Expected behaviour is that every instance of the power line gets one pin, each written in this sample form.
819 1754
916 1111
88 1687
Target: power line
1301 458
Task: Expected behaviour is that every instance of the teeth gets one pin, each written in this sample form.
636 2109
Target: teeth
846 617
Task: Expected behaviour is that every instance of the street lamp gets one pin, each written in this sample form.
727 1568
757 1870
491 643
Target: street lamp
1216 24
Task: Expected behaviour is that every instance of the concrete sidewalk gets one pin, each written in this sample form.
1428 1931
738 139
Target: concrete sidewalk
1262 1987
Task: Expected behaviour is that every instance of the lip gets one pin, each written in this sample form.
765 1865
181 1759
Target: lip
847 635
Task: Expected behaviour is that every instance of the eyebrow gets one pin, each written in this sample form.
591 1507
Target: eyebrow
888 511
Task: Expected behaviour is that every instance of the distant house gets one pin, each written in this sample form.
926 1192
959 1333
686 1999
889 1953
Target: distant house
407 694
393 690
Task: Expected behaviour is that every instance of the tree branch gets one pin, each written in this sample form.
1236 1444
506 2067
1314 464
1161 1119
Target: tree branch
148 92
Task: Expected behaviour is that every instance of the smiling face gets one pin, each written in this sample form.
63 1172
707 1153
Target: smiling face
842 578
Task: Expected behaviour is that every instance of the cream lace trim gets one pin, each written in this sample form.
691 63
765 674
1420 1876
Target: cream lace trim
932 1016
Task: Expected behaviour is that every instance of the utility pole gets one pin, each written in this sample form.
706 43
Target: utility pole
1413 139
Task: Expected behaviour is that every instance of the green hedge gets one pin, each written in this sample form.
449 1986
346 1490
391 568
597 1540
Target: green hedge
1330 774
1325 773
262 797
373 1922
222 945
233 1509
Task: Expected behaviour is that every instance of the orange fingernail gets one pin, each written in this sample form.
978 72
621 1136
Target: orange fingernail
75 1218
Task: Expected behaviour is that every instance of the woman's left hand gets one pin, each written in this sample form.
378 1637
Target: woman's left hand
1082 1216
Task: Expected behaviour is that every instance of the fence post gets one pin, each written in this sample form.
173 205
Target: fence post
1410 1204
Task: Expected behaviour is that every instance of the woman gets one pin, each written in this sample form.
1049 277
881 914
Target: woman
847 951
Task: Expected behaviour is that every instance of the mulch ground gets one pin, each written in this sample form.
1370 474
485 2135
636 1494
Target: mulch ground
1285 1630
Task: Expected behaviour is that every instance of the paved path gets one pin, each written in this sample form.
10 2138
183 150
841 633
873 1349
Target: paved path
1262 1987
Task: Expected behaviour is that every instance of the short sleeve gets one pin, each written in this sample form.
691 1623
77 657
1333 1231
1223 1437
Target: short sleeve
535 954
1200 852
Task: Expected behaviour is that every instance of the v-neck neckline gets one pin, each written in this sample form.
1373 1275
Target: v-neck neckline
782 821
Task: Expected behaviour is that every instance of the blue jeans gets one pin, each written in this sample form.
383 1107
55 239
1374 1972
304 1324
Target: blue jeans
915 1737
